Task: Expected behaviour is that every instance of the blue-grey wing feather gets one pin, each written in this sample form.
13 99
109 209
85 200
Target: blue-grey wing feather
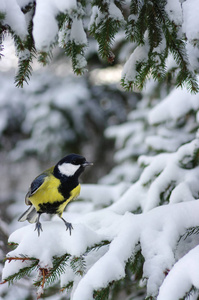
37 182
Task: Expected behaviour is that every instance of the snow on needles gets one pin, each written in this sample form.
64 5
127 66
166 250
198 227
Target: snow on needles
171 107
157 231
45 27
14 17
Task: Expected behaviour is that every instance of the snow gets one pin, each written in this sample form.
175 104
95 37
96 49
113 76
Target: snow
78 34
23 3
161 172
45 26
182 277
175 105
140 54
174 10
157 230
104 194
96 17
45 29
50 243
191 22
15 18
115 12
165 191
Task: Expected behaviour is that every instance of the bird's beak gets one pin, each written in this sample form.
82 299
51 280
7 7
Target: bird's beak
87 164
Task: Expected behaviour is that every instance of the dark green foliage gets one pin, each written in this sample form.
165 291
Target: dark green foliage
105 30
147 26
76 52
59 265
136 262
26 271
68 286
73 49
45 57
98 246
149 23
78 265
24 65
165 195
102 294
190 161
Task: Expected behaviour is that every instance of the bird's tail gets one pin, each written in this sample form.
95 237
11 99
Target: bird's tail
30 214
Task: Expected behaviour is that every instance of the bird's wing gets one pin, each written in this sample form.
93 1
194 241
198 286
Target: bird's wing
35 185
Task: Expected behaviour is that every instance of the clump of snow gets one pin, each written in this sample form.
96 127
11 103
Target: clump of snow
175 105
45 29
45 26
174 11
78 34
115 12
129 72
182 277
15 18
96 17
190 17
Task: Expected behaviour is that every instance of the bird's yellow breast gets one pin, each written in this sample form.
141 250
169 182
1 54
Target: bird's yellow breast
47 192
48 196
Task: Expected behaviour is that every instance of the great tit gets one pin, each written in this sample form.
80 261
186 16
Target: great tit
52 190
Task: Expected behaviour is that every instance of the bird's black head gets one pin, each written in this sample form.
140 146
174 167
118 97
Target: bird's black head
71 165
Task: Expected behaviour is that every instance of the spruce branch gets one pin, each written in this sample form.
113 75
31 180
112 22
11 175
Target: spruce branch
190 231
59 265
45 57
102 294
76 52
104 31
165 195
26 271
136 262
78 265
67 287
49 275
26 52
73 48
98 246
149 21
190 161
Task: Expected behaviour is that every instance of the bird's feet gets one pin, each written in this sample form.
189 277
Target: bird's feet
38 227
69 226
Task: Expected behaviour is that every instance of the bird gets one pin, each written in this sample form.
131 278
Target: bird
53 189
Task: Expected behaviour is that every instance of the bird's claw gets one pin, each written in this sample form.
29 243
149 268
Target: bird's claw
69 226
38 227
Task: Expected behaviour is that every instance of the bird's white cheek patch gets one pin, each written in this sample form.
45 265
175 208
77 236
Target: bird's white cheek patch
68 169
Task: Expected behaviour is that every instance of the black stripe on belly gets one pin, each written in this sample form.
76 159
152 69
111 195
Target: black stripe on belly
50 208
67 186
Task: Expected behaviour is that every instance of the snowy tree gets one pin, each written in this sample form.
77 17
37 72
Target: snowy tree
154 30
149 232
139 234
